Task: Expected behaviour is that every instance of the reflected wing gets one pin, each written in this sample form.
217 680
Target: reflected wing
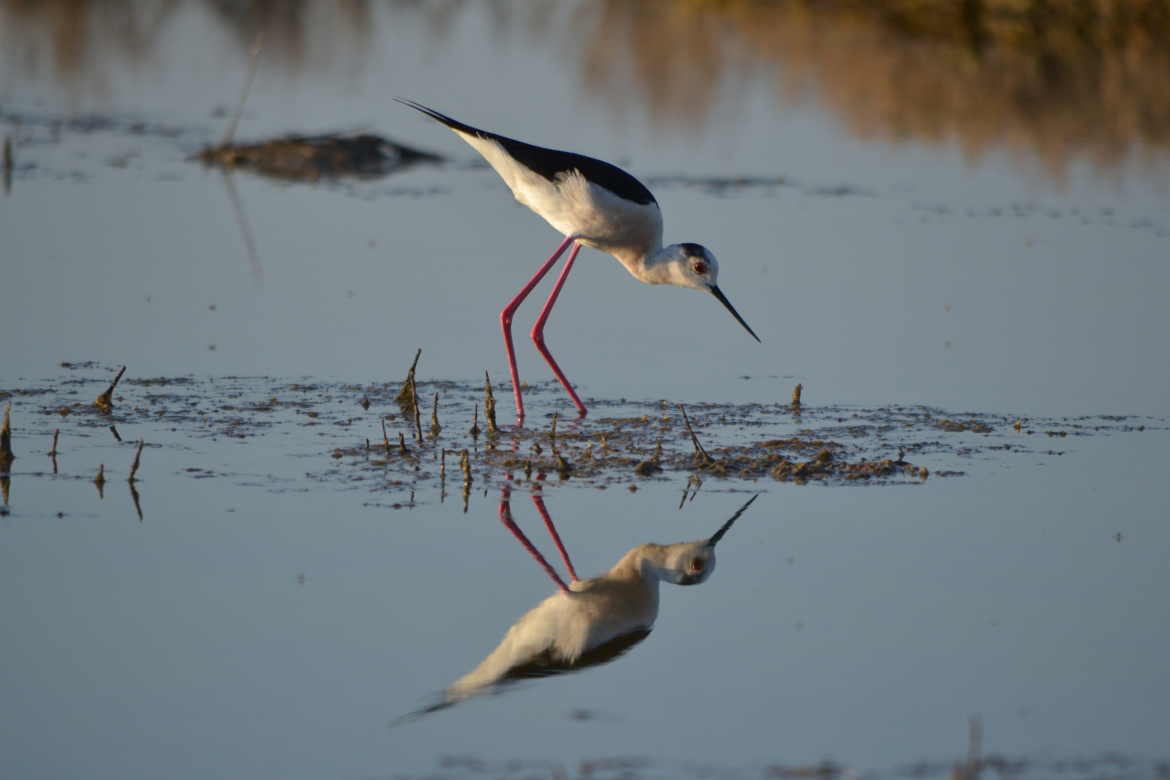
544 665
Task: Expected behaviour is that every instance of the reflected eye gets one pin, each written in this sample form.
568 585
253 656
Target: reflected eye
699 267
697 565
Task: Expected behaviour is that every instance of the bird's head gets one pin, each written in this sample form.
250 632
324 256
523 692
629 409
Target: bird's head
690 563
694 266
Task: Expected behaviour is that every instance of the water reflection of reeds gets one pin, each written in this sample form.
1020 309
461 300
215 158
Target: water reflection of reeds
1054 79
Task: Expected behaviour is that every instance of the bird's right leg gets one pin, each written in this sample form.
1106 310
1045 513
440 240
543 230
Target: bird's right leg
510 524
506 323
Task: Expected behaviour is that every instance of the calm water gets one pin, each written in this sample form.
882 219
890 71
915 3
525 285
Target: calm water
269 618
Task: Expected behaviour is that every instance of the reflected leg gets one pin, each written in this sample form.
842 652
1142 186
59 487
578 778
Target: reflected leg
538 501
510 524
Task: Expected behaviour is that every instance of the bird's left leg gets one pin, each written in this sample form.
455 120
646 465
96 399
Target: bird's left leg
510 524
538 331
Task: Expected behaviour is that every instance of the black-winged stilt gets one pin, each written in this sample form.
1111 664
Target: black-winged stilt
592 203
586 622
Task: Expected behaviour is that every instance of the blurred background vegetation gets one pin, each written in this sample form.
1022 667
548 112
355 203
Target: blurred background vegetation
1058 80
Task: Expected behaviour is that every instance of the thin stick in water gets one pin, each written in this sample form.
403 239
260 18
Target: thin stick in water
137 459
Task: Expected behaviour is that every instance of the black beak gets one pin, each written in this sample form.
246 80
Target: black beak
723 299
719 534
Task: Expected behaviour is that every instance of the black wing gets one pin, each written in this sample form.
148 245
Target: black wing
550 163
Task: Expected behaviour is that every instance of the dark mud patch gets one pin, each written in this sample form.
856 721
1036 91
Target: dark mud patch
353 436
309 158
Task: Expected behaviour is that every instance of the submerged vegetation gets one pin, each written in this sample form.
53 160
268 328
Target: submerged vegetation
371 437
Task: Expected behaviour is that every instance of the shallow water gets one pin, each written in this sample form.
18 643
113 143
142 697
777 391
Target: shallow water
280 591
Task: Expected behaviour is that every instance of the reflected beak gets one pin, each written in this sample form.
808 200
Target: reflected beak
723 299
714 540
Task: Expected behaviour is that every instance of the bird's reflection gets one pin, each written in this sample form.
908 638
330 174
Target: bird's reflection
586 622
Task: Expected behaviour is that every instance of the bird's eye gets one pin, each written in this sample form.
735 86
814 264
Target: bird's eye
699 267
697 565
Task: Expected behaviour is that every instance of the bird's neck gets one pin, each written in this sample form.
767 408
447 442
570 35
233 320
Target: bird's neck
651 266
646 562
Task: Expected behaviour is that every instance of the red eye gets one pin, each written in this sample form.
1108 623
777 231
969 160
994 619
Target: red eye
699 267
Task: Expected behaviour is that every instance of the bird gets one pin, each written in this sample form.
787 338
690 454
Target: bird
585 622
591 203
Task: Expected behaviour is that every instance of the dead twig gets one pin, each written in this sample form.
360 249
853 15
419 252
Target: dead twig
435 427
137 459
700 454
405 397
6 455
489 405
418 436
796 391
105 401
475 423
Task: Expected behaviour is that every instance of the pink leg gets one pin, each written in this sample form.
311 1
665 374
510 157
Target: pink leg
506 519
538 330
506 323
538 500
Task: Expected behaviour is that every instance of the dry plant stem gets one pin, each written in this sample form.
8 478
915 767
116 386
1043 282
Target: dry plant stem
465 466
56 436
435 427
402 444
700 453
385 438
137 459
105 401
475 423
796 391
6 456
100 479
418 436
489 405
405 397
